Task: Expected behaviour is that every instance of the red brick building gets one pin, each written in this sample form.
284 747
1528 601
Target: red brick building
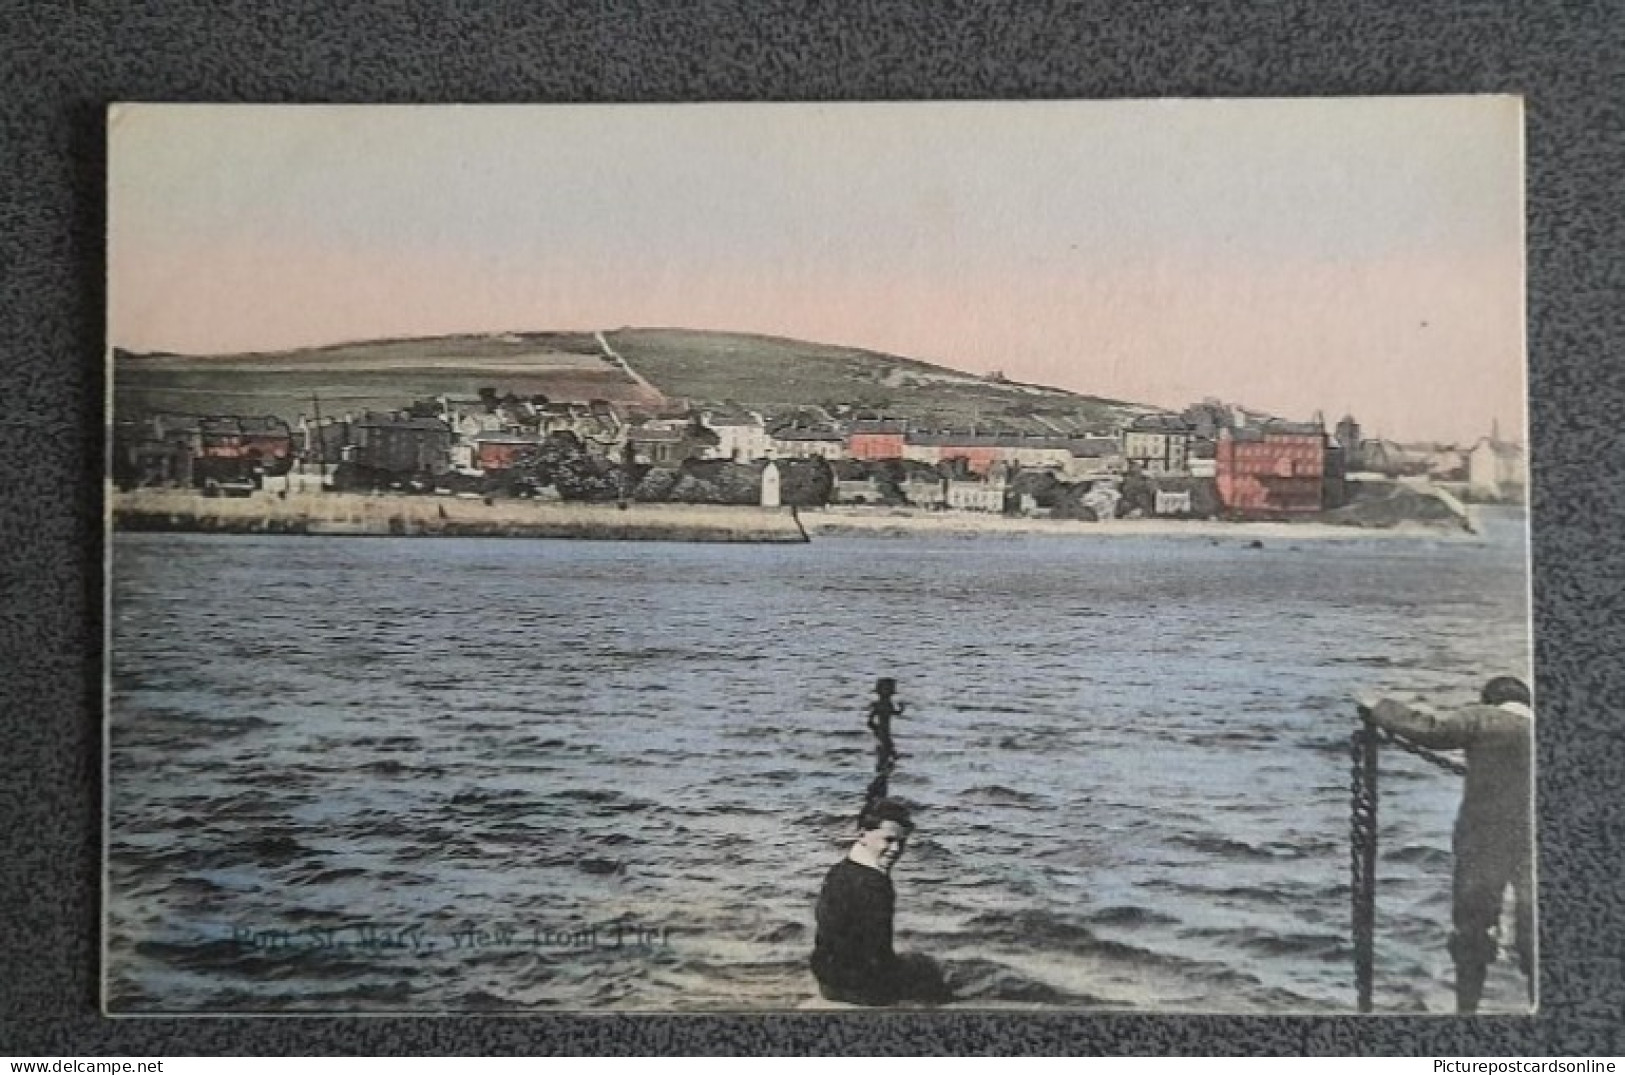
876 440
502 451
1271 470
244 438
266 438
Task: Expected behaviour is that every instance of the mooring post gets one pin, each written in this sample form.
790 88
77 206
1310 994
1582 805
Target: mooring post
1363 855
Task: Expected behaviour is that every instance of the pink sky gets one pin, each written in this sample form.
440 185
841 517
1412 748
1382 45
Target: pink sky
1291 255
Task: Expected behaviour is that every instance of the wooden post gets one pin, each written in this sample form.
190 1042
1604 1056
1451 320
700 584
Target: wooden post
1363 857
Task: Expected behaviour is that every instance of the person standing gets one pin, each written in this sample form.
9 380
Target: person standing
1493 843
881 712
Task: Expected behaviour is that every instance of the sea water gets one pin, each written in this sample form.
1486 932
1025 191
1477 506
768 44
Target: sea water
390 774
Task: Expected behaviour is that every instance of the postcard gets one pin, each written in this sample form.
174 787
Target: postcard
818 557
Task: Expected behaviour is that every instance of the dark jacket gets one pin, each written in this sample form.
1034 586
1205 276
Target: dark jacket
852 954
1497 807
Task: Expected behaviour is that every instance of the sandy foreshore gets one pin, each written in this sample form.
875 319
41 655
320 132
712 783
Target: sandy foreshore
394 514
904 522
358 514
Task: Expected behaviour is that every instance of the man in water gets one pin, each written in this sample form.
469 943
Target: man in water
1494 837
852 956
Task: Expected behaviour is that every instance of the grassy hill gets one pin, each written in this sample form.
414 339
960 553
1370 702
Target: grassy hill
767 373
762 373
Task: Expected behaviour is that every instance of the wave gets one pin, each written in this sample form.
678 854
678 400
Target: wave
1225 846
1325 947
1129 915
1418 855
984 980
999 795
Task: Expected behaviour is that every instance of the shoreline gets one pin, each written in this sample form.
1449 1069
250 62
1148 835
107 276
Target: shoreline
391 514
902 522
397 515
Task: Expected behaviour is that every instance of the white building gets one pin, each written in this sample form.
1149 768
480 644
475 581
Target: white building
798 443
1167 503
976 496
1496 470
741 435
1157 444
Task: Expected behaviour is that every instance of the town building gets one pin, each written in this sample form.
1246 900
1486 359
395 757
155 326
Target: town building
1394 460
1497 470
1157 444
1200 461
1349 439
254 440
976 452
925 492
1093 458
984 496
1170 502
670 442
397 443
807 442
1206 418
858 491
496 452
876 439
741 435
1271 468
469 417
159 450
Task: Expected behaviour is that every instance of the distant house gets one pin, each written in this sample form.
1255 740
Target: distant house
252 439
596 422
265 439
1200 460
1093 458
986 496
741 435
220 438
324 443
669 443
496 452
160 450
980 451
805 442
1497 470
858 491
876 439
1167 502
396 443
1157 444
925 492
1206 418
1349 439
1393 459
1037 451
976 451
1272 468
468 417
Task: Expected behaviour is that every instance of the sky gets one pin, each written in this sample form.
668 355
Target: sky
1333 254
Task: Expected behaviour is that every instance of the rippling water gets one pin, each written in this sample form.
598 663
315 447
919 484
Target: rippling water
424 774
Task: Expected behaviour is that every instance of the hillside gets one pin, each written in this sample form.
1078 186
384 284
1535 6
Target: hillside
762 373
373 375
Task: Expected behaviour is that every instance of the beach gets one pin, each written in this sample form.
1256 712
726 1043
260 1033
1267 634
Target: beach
905 522
385 514
402 515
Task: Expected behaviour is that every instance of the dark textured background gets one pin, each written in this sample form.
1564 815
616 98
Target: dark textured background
61 63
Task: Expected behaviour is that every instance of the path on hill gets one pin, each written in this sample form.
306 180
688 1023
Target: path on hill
617 358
